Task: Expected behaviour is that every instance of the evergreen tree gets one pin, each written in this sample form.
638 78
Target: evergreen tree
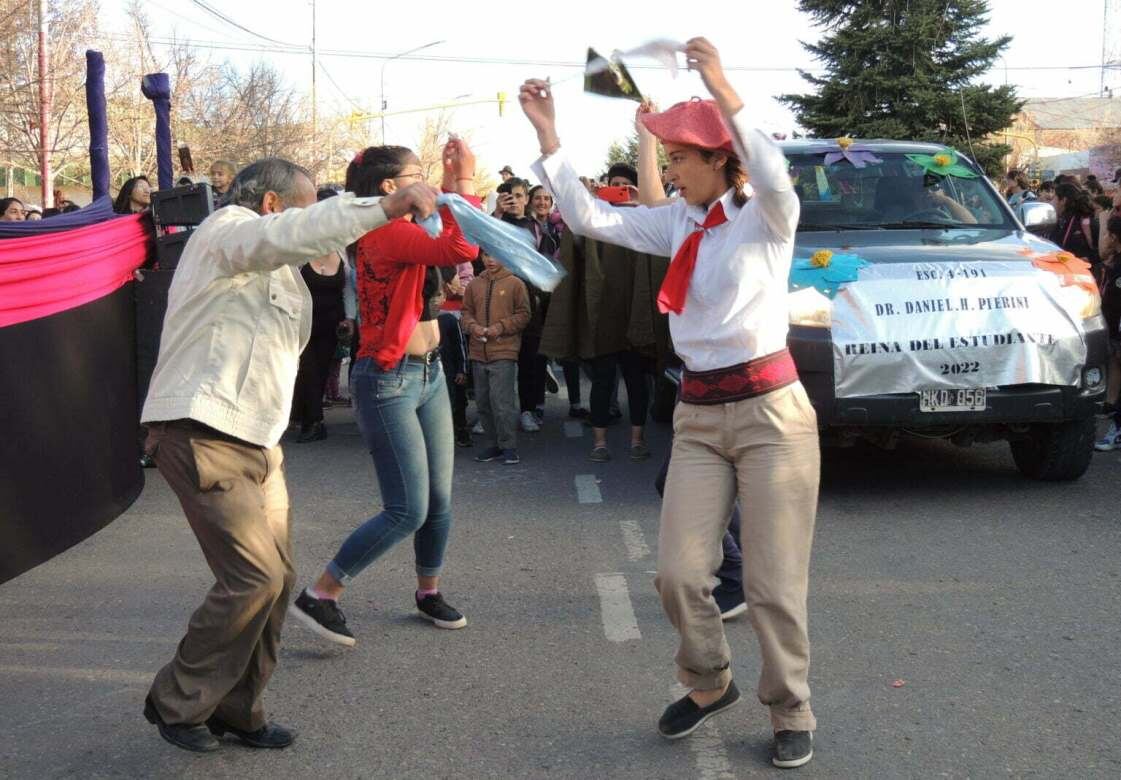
627 152
901 69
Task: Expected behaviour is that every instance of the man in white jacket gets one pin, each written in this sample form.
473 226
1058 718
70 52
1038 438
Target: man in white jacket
238 316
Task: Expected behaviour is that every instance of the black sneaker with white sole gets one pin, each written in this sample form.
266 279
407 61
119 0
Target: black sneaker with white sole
323 617
792 749
441 613
685 716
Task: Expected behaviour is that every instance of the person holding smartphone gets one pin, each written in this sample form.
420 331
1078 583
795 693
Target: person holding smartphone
745 426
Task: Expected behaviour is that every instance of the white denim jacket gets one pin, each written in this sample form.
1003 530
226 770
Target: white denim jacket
239 314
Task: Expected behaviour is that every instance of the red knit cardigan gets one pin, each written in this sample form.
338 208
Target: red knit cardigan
391 264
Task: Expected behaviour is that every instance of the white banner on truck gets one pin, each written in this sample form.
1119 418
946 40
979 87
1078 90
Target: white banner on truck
905 327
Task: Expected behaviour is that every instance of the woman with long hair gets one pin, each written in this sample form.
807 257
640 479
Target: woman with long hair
403 410
548 227
745 425
1076 230
134 196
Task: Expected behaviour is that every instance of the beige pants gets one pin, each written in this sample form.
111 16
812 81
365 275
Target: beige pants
765 451
236 502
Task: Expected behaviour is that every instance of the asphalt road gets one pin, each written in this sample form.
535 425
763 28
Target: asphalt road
994 599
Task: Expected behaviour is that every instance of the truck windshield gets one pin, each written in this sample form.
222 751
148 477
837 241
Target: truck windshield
894 193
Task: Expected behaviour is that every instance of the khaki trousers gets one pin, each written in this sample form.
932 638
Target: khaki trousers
765 451
236 502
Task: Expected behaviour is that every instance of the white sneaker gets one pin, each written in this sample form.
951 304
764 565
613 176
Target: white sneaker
529 423
478 429
1111 440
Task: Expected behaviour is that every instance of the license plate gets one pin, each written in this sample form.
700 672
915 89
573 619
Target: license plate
971 400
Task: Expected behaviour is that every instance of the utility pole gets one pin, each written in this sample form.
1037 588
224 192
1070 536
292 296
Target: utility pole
47 190
314 104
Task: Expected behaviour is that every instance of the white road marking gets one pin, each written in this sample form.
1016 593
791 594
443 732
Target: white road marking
89 674
619 624
637 548
587 491
707 746
573 429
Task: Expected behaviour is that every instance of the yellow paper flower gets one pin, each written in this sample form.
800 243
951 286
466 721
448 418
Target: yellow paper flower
821 258
942 160
1065 257
844 142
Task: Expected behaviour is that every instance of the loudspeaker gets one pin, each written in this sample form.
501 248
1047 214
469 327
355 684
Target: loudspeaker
150 297
188 205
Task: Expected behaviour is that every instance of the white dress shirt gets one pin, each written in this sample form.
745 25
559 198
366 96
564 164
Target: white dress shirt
736 307
239 314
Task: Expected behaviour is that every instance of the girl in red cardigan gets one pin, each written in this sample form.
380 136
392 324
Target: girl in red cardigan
399 389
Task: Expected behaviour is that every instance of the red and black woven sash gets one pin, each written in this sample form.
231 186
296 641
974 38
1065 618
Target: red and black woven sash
735 383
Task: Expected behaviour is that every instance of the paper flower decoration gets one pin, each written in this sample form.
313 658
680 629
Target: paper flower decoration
857 155
1069 267
825 270
943 164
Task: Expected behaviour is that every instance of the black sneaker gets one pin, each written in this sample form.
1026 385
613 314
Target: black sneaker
322 616
463 438
442 614
510 457
577 412
489 454
730 601
683 717
792 749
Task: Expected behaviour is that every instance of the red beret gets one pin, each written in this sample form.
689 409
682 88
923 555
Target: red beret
695 122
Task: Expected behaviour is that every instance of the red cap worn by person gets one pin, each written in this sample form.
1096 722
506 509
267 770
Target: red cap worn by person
694 122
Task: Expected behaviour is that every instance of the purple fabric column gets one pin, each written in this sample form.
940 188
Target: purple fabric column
157 88
99 125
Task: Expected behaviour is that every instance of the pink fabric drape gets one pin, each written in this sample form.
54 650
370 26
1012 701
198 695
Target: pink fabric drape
45 274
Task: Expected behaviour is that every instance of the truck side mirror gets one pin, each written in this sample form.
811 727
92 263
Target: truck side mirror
1037 214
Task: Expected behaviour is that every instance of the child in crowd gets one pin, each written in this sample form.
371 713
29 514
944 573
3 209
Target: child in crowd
495 312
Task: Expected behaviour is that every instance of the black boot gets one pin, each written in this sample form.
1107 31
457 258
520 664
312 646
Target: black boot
268 736
195 738
314 432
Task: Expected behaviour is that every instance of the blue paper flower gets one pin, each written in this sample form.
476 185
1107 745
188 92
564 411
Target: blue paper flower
828 279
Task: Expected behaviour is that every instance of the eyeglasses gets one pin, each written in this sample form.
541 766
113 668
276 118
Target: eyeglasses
417 175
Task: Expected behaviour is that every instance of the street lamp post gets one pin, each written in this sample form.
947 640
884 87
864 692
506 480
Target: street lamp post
381 92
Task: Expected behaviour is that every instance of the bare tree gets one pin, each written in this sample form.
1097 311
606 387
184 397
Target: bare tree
19 85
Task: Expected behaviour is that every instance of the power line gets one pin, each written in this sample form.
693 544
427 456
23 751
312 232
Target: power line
219 15
353 54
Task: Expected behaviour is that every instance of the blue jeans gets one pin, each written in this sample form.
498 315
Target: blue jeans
405 417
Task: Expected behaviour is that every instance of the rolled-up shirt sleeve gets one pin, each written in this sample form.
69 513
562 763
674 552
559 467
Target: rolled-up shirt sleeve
774 194
640 228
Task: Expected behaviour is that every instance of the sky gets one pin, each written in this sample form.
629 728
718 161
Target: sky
758 41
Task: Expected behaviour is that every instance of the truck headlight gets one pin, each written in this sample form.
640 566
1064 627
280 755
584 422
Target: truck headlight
809 307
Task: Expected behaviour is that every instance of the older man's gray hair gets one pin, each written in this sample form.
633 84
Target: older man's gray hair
271 174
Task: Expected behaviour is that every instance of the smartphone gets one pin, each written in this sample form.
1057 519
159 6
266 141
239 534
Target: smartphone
614 194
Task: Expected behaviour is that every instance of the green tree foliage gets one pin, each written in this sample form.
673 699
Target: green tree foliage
627 152
901 69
